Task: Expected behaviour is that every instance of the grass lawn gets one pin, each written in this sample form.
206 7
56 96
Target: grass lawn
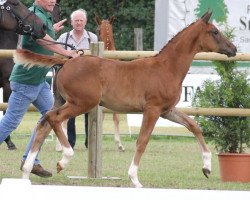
169 162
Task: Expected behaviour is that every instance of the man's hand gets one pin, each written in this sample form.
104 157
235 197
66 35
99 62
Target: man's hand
59 25
74 53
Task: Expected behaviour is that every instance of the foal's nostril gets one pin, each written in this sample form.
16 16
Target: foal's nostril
44 27
234 51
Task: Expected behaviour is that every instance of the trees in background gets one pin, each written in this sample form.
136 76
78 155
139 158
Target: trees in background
129 14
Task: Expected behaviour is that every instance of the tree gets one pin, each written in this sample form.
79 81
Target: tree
218 7
129 15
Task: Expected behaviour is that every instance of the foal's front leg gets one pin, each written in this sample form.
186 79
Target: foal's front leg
183 119
150 116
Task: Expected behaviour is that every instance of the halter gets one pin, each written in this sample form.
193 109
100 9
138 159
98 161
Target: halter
23 28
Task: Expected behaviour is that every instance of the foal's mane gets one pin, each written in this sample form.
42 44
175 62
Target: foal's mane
176 37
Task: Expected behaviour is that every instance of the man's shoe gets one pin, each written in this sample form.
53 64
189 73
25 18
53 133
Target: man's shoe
38 170
11 145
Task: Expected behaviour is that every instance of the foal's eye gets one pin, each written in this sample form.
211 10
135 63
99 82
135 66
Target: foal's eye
215 32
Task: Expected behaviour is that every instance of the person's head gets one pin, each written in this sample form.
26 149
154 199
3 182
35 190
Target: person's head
78 19
47 5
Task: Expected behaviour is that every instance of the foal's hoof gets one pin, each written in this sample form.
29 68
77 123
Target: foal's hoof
206 172
59 167
121 148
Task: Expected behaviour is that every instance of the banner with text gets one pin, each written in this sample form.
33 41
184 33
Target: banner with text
234 13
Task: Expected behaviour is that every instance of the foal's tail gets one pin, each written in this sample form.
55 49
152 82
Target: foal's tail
29 59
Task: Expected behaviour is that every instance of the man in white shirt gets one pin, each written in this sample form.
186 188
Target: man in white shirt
79 38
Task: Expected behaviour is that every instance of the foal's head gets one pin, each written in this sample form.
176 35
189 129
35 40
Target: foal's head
105 32
212 40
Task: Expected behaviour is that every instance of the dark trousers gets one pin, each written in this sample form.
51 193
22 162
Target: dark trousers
71 131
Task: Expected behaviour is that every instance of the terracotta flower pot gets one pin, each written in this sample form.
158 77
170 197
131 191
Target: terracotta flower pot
234 167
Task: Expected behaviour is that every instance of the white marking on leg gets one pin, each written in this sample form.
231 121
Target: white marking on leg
28 165
118 142
206 157
67 155
58 145
132 172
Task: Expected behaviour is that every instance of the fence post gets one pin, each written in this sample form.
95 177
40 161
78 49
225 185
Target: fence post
138 39
95 128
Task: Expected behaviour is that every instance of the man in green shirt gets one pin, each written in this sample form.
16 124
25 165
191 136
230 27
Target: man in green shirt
29 85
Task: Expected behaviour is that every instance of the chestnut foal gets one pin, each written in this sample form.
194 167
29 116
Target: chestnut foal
149 85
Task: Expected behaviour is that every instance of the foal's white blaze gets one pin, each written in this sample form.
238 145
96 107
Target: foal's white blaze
28 165
206 157
132 172
67 154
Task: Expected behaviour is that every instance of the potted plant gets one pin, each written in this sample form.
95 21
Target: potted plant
230 135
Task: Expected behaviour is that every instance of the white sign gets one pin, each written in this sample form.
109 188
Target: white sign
181 13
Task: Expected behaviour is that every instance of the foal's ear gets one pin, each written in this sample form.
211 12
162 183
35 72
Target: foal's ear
207 16
97 19
111 19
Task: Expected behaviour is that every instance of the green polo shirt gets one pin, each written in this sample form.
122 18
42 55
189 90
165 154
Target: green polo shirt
34 75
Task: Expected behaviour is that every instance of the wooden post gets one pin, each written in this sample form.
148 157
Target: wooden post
138 39
95 128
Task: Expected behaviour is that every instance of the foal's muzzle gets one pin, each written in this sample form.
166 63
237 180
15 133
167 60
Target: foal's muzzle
230 52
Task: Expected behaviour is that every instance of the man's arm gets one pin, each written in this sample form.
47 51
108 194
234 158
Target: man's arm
56 47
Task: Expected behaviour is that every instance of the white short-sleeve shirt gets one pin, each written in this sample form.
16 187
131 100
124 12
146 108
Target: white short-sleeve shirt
83 42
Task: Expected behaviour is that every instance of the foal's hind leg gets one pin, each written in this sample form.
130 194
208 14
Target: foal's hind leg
55 118
183 119
117 132
150 117
42 131
64 127
59 101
